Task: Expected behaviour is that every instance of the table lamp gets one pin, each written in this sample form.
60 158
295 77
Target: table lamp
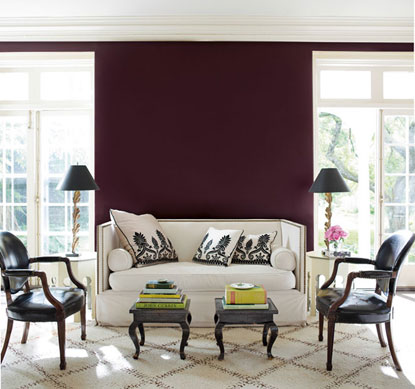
328 181
77 178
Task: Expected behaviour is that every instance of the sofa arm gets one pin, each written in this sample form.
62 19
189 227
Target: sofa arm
283 258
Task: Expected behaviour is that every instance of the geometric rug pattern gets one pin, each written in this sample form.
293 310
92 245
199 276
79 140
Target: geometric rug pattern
105 360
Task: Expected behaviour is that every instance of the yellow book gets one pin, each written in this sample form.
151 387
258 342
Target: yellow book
162 296
255 295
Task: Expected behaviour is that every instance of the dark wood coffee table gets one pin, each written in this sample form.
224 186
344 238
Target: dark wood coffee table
246 316
148 315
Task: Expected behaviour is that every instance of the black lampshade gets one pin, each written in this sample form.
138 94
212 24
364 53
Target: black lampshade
77 177
329 181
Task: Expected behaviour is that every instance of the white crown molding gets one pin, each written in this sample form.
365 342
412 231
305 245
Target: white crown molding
207 28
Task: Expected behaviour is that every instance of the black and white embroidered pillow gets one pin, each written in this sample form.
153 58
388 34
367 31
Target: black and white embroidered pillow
217 247
254 249
143 237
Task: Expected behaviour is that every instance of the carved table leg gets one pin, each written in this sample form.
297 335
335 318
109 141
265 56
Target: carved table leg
185 336
264 334
274 333
219 337
142 336
132 331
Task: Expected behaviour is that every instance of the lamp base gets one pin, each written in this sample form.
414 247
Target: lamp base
72 255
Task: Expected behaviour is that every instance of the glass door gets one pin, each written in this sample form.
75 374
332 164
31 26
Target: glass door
17 144
398 176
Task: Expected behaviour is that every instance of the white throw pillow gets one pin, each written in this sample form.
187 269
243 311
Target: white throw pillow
254 249
143 237
284 259
217 247
120 259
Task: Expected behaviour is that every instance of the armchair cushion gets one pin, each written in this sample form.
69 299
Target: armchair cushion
360 306
34 306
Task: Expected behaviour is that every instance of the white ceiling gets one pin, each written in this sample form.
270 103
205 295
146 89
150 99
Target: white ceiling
286 8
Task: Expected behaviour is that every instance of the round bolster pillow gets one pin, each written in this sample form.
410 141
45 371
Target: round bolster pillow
283 258
120 259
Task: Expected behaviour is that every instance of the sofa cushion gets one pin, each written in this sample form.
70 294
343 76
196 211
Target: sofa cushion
143 237
217 246
254 249
283 259
120 259
192 276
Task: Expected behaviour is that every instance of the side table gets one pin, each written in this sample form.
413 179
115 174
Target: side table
317 264
246 316
148 315
84 269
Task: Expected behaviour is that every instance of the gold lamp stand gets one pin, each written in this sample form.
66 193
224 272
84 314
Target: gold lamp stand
327 224
76 226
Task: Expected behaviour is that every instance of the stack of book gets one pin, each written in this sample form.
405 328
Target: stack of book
253 298
161 294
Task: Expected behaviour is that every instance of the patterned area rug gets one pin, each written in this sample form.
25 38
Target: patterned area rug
105 360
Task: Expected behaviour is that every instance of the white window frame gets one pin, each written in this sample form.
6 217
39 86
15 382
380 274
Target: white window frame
34 63
377 63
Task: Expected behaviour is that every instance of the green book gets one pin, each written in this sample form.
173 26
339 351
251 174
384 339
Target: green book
155 284
181 305
243 306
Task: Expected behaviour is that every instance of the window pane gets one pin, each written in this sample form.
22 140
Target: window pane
411 159
56 218
395 159
395 129
412 131
395 189
336 84
20 190
14 86
65 86
399 85
412 189
394 218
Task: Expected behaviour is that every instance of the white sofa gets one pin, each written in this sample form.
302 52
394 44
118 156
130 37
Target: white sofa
117 291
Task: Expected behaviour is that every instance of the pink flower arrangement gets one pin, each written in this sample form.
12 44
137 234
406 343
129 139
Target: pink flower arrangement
335 234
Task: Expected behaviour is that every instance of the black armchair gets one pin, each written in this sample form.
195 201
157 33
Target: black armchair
361 306
37 305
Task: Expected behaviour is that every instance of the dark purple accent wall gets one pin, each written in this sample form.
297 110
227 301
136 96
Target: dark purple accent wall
204 129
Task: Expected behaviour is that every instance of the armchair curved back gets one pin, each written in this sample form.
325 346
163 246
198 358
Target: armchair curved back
391 256
13 255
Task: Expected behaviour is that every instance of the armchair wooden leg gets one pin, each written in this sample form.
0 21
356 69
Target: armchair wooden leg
61 336
83 321
391 347
330 341
320 326
7 338
25 332
380 335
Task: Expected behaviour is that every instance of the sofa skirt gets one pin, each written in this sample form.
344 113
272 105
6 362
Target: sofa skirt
112 308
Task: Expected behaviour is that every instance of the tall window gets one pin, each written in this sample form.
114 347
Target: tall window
364 126
46 124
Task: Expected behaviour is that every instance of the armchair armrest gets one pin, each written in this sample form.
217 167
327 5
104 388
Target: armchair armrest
372 274
68 268
45 286
338 261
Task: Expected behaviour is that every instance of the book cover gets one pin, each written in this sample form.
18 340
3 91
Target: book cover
154 284
255 295
160 294
175 290
181 305
244 306
159 300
